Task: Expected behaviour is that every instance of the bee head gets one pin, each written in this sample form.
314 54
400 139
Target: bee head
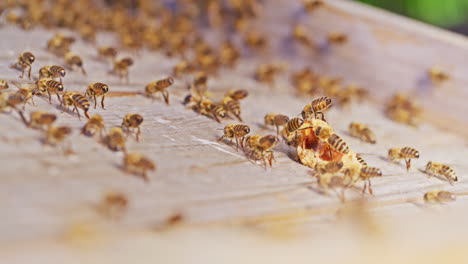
62 72
60 87
105 88
246 130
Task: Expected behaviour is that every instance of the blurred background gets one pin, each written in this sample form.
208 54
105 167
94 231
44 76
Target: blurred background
449 14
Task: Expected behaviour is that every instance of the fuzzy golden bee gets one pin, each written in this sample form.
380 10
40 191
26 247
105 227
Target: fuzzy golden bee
74 61
115 140
211 109
338 38
138 164
3 85
338 144
237 132
182 68
94 126
107 53
289 131
232 106
25 61
438 75
50 86
407 153
316 108
238 94
27 93
312 5
437 168
77 101
41 120
57 135
200 82
255 40
294 124
121 68
276 120
114 205
438 196
299 34
366 173
260 148
60 44
328 167
52 71
363 132
229 54
266 73
132 122
95 90
159 86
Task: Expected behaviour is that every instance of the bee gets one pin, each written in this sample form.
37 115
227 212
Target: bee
238 94
438 75
207 62
338 144
294 124
121 67
438 196
362 132
337 38
94 125
316 107
406 153
56 135
114 204
159 86
3 85
40 119
132 121
402 109
11 101
50 86
52 71
107 53
311 5
25 61
87 32
255 40
300 35
276 120
74 61
115 140
95 90
361 160
366 173
229 54
260 147
77 101
232 106
328 167
138 164
332 181
209 108
60 44
323 133
27 94
436 168
200 82
237 132
182 68
265 73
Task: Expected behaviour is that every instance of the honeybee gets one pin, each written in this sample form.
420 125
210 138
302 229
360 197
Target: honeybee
255 40
406 153
50 86
115 140
3 85
316 107
438 75
132 121
290 130
323 133
11 101
209 108
266 73
52 71
276 120
74 61
438 196
25 61
107 53
332 181
95 90
229 54
207 62
362 132
260 147
232 106
138 164
338 144
114 204
337 38
328 167
361 160
40 119
77 101
437 168
200 82
311 5
159 86
182 68
56 135
27 94
238 94
87 32
402 109
121 67
60 44
300 35
237 132
366 173
94 125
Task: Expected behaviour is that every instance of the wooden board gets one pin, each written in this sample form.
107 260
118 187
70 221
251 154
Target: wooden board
43 193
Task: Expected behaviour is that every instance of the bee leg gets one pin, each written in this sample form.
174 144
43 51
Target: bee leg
242 143
102 102
138 134
371 192
58 97
22 72
29 72
237 144
364 188
166 96
216 117
50 99
221 138
86 114
95 102
277 130
408 164
83 71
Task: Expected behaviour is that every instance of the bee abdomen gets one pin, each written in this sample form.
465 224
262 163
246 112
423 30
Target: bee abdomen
368 172
294 124
81 101
338 143
408 152
321 104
